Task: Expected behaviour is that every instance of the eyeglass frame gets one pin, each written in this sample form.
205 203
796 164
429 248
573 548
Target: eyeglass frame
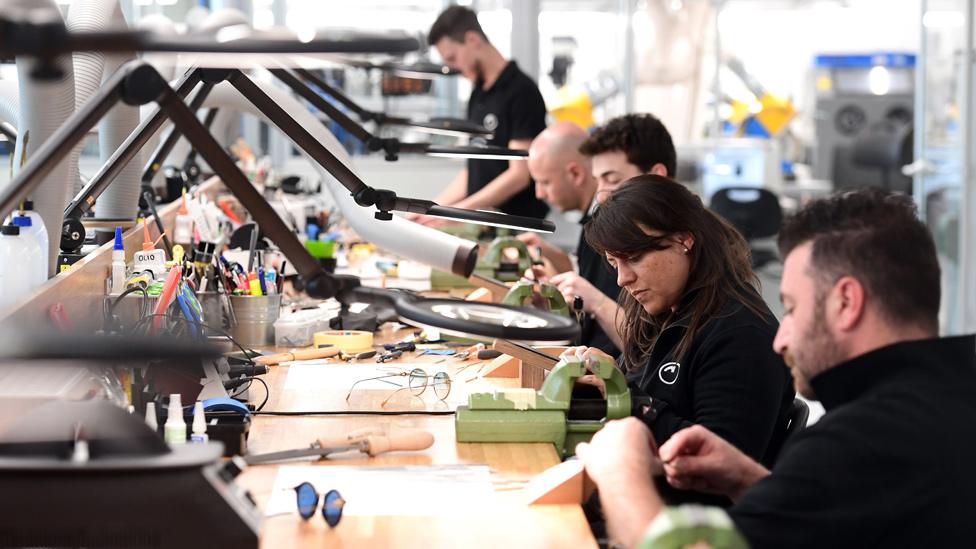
439 377
331 499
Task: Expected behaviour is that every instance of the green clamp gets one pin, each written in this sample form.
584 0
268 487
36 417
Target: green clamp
490 264
523 293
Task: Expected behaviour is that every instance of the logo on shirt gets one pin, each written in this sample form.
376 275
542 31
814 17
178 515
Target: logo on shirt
669 372
490 122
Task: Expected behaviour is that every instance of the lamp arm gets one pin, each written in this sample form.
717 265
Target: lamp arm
165 147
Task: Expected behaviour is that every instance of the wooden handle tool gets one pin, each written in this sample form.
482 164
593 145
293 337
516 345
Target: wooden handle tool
304 354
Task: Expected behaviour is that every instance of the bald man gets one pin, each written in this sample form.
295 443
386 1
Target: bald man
563 178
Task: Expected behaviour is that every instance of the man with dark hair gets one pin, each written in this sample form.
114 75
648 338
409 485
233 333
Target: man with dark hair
890 464
628 146
506 102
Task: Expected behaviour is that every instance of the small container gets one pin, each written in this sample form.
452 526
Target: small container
256 315
298 329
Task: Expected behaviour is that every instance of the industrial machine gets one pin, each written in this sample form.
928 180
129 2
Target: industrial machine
861 100
550 414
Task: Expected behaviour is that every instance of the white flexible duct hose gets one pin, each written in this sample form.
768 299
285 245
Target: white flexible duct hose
92 69
206 23
161 25
9 103
402 237
165 64
44 106
224 17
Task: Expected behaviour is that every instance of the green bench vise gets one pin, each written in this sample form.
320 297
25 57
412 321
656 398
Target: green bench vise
492 265
547 415
548 298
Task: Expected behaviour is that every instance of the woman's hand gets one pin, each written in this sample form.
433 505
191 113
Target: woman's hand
571 284
589 356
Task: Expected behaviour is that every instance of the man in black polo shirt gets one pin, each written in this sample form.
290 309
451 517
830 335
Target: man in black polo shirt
505 101
891 462
564 180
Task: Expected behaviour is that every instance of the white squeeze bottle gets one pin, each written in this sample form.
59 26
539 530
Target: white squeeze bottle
35 258
183 226
174 431
14 279
38 230
199 434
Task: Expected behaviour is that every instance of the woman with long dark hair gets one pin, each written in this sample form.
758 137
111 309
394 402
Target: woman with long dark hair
698 338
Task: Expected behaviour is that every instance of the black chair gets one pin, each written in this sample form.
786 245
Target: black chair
755 212
796 421
799 414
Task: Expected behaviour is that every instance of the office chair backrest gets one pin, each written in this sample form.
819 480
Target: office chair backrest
796 421
799 414
755 212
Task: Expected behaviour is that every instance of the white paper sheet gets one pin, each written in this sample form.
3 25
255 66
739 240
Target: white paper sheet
410 490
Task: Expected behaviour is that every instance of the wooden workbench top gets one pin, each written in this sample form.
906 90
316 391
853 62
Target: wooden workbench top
510 523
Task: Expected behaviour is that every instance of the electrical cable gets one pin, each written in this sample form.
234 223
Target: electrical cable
243 390
267 393
108 310
217 331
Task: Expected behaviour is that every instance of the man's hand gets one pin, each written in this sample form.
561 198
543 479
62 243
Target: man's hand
698 459
620 454
427 220
531 239
571 284
559 259
618 459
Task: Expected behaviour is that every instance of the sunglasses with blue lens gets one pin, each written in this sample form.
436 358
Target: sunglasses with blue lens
308 502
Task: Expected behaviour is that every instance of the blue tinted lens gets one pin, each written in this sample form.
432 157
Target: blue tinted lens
332 507
308 500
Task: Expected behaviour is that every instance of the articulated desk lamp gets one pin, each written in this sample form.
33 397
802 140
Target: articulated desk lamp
391 146
137 83
444 126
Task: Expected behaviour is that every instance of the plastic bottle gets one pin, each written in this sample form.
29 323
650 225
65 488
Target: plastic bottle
175 429
14 280
151 417
39 230
199 424
118 263
183 226
35 259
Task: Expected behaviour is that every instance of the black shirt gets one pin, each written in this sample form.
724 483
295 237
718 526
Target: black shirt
597 271
891 464
512 108
729 380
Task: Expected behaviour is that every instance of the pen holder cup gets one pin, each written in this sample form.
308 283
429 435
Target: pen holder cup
255 316
213 310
